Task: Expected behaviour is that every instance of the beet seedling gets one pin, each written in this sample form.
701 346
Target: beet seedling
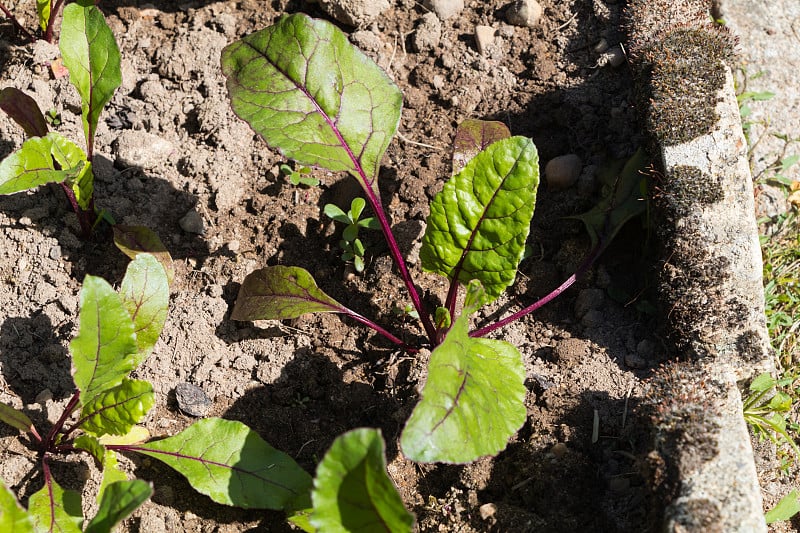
91 55
46 12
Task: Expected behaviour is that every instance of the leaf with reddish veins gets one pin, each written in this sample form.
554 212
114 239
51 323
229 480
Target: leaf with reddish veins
280 292
145 294
472 136
24 111
15 418
135 240
54 509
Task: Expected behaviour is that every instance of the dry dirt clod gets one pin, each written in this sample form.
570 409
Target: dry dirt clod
487 510
526 13
428 33
355 12
445 9
484 38
140 149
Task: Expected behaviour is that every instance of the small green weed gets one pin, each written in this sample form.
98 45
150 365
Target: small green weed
352 247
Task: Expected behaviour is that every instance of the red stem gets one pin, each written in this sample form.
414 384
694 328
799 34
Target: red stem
54 9
49 441
370 324
28 35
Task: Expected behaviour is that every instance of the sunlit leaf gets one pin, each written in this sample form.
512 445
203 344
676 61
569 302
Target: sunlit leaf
785 509
308 92
136 435
40 160
116 410
145 294
472 136
279 292
480 220
56 510
119 500
135 240
13 518
43 12
473 400
353 492
231 464
90 444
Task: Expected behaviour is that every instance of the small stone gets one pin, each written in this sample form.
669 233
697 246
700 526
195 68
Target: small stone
487 510
55 252
428 33
526 13
43 397
445 9
192 222
484 38
233 246
614 57
192 400
563 171
140 149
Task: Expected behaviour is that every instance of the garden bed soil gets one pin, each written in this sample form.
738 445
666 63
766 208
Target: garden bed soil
168 144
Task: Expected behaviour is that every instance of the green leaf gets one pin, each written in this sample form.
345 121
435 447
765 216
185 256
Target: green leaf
763 382
480 220
82 185
231 464
335 212
119 500
280 292
43 11
116 410
24 111
623 198
135 240
307 91
40 160
103 352
473 400
91 55
472 136
111 473
145 294
56 510
13 517
15 418
356 208
353 492
350 233
785 509
91 445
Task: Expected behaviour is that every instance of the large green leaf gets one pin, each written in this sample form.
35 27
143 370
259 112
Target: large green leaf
24 111
280 292
473 400
353 492
480 220
12 516
145 294
41 160
56 510
15 418
307 91
119 500
116 410
135 240
231 464
103 352
92 57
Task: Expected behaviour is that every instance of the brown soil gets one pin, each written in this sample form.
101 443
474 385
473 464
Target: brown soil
302 383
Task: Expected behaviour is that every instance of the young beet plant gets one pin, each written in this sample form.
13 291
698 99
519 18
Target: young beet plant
46 11
91 55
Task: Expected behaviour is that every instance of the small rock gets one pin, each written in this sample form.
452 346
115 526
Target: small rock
487 510
593 319
143 150
355 12
428 33
192 400
484 38
44 52
614 57
55 252
445 9
44 397
192 222
571 351
526 13
233 246
563 171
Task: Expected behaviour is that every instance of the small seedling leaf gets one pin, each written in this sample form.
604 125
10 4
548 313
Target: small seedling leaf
116 410
92 57
119 500
135 240
56 510
472 136
15 418
352 490
34 163
785 509
12 516
43 12
307 91
231 464
145 294
623 198
24 111
103 352
473 400
280 292
335 212
480 220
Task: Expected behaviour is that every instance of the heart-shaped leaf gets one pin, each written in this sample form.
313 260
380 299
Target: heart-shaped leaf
135 240
56 510
280 292
472 136
307 91
92 57
41 160
473 400
119 500
353 492
145 294
103 352
24 111
480 220
116 410
232 464
12 516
